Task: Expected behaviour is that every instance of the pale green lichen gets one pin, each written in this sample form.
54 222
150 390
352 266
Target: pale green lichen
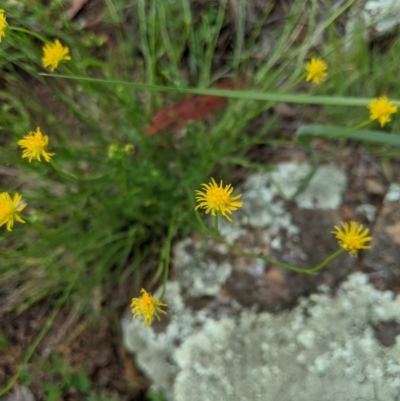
367 210
323 192
393 194
323 350
225 352
198 273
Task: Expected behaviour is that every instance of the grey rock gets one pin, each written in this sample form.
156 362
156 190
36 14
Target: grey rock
219 340
324 349
383 260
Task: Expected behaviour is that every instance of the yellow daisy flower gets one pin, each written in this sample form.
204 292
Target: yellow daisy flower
9 209
316 71
3 24
380 109
35 144
53 54
352 237
147 306
218 199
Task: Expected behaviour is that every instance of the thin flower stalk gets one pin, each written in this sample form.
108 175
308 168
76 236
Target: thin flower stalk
313 270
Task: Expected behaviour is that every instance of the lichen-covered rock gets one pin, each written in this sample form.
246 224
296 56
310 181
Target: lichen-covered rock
384 257
378 17
200 271
324 349
219 341
323 192
294 231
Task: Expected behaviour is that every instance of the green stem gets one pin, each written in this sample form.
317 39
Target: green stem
259 256
216 225
351 129
39 227
39 338
27 31
326 261
167 252
290 86
74 177
62 173
125 176
231 94
284 265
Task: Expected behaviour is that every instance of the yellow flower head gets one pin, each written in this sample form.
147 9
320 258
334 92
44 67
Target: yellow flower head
129 149
352 237
113 149
35 144
316 71
3 24
218 199
53 54
147 306
9 209
381 109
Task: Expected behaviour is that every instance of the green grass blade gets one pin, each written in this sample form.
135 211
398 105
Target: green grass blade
360 135
234 94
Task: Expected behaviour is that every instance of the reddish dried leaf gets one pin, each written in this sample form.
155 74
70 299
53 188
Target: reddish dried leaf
191 108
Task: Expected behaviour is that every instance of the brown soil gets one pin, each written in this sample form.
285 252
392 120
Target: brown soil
83 343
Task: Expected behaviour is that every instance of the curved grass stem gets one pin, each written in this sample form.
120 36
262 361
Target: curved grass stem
166 256
284 265
311 270
28 32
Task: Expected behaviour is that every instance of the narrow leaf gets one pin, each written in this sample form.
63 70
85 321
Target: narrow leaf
326 131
